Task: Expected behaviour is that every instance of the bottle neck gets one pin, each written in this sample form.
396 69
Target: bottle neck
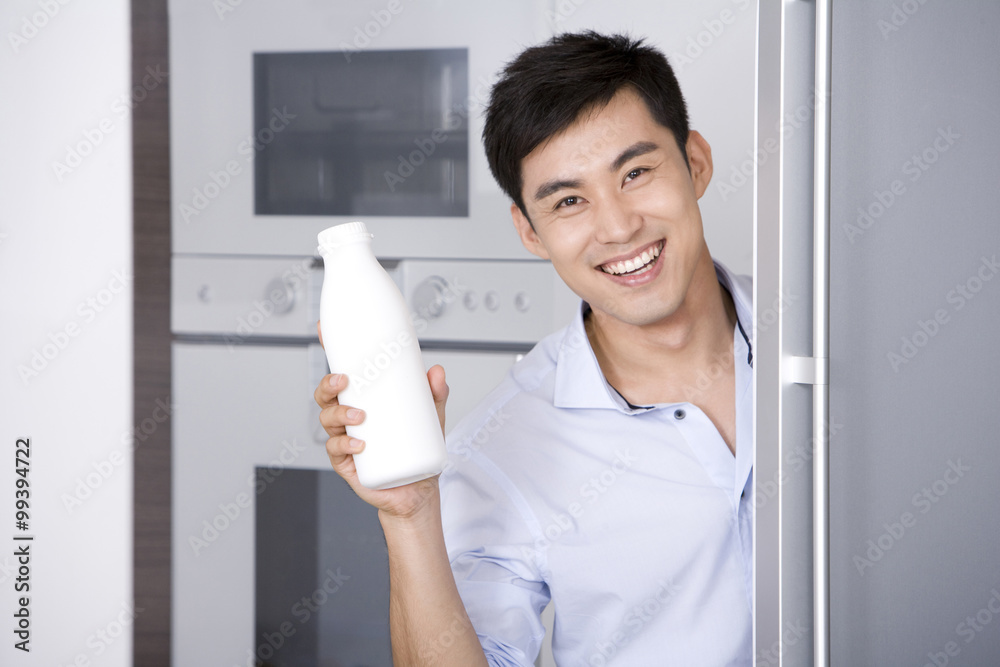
351 252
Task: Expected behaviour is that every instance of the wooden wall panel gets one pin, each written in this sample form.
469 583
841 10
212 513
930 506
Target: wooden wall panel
151 261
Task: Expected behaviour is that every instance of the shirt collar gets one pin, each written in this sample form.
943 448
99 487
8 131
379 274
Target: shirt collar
579 382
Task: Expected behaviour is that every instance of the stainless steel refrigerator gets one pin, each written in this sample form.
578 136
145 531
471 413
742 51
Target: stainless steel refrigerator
878 309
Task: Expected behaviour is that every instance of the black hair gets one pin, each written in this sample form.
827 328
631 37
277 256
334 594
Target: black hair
546 88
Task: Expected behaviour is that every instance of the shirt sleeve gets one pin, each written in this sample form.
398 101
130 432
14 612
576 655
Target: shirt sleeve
491 546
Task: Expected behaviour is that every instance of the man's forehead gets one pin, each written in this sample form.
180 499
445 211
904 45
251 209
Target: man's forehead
601 133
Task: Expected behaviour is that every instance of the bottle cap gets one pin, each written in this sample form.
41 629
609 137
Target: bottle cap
349 232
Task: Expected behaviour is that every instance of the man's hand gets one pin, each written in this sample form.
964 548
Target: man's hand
401 502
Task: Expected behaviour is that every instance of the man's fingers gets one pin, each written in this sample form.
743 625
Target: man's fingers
328 389
340 446
439 390
335 417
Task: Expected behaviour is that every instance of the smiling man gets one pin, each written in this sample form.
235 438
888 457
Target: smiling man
610 472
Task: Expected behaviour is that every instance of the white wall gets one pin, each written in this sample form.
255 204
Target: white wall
65 280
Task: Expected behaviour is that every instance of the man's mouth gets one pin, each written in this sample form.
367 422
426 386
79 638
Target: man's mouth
635 265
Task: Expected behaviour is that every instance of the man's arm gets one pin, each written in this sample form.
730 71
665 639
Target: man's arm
430 626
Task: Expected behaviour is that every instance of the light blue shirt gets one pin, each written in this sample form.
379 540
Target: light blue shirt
635 521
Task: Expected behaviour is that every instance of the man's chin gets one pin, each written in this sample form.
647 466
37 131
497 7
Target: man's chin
636 315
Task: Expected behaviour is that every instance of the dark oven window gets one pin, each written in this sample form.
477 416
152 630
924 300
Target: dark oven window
363 133
322 574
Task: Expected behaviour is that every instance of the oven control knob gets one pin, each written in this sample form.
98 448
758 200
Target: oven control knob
281 295
522 302
471 300
492 300
430 297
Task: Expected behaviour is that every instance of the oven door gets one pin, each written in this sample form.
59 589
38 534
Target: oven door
288 119
275 558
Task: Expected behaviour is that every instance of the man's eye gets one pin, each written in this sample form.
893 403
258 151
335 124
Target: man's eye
568 201
635 173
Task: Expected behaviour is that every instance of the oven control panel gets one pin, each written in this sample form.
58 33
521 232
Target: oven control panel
487 301
464 303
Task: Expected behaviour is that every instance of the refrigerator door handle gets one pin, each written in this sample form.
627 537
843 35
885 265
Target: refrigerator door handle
806 370
821 337
789 84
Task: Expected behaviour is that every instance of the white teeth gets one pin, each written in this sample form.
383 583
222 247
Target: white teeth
629 265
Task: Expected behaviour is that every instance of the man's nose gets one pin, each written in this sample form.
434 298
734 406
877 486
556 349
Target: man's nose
617 220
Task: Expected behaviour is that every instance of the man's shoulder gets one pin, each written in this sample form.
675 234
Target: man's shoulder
527 388
524 407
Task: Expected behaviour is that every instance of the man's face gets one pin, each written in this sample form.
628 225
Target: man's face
615 209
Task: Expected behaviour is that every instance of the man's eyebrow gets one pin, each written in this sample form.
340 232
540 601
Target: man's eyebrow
550 187
635 150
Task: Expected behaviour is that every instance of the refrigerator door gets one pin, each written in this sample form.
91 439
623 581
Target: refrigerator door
914 532
783 243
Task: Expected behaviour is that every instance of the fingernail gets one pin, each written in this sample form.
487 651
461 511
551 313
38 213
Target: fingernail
354 413
355 444
335 379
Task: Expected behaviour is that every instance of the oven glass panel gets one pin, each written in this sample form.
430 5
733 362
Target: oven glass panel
321 572
361 133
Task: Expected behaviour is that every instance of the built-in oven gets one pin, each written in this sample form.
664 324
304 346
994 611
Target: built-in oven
275 560
288 118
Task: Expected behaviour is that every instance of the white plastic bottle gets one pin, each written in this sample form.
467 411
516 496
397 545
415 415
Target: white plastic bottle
369 336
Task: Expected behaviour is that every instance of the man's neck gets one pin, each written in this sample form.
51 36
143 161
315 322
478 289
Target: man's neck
660 362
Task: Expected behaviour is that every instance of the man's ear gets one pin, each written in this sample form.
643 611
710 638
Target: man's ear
700 160
527 233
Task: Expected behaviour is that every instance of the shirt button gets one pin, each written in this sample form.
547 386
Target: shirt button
679 414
